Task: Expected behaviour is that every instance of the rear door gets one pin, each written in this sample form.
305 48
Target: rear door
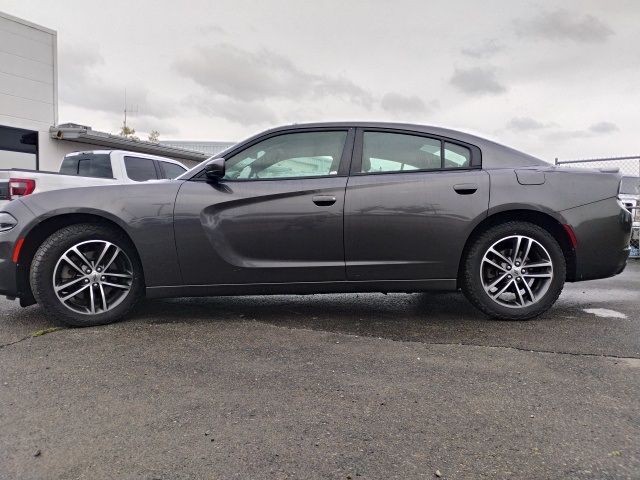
411 201
276 217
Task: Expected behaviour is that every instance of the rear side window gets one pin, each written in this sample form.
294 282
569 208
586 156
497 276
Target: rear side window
91 165
140 169
396 152
456 156
171 170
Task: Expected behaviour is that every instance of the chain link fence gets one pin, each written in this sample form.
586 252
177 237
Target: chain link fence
629 190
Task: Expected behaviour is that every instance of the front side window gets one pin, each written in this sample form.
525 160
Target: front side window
305 154
140 169
171 170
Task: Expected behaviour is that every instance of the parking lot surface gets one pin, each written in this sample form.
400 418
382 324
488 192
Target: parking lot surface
328 386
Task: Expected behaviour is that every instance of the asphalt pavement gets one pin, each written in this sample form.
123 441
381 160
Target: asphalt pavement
367 386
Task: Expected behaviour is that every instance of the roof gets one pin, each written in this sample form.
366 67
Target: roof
27 23
85 134
494 154
126 152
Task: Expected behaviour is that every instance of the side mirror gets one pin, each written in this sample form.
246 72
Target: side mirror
214 169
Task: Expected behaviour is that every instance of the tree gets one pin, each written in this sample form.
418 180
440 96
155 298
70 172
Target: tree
128 132
154 136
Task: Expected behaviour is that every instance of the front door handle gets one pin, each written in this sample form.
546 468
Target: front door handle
465 188
324 200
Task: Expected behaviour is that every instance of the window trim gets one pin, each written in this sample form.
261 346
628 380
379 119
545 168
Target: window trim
358 152
343 167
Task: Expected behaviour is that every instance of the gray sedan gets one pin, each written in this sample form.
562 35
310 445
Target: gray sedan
321 208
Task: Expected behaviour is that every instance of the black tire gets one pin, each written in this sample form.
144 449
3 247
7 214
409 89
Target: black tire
471 281
46 257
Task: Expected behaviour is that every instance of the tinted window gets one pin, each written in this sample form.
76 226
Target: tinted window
18 148
630 186
394 152
140 169
95 167
88 165
307 154
69 166
456 156
171 170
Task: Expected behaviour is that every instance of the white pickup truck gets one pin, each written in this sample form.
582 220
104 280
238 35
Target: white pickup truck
84 169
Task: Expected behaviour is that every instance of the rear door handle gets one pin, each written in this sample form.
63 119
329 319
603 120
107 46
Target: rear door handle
465 188
324 200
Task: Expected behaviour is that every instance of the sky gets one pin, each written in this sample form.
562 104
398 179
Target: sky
554 79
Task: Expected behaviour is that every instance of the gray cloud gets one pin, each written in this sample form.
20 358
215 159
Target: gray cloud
83 85
484 49
477 80
399 104
243 75
234 110
523 124
596 129
603 127
563 25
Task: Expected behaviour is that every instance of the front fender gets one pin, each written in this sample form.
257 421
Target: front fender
143 211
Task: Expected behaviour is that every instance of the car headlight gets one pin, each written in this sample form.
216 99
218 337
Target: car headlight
7 221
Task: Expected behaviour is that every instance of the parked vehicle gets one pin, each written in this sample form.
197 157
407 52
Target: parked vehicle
320 208
85 169
630 196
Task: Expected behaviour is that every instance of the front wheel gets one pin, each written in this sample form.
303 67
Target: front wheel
86 275
514 271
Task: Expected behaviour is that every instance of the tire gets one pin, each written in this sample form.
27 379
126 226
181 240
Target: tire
482 269
108 288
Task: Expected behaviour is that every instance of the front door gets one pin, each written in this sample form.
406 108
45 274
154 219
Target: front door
276 216
411 203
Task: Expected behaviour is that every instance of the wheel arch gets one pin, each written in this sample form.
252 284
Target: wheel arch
537 217
41 231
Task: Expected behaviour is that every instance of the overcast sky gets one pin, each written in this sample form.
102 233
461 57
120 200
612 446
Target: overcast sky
555 79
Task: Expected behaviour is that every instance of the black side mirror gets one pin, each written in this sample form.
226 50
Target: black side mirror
214 169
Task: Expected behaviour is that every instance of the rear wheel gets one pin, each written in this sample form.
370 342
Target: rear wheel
514 271
86 274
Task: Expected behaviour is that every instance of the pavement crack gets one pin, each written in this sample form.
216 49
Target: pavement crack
530 350
459 344
15 342
37 333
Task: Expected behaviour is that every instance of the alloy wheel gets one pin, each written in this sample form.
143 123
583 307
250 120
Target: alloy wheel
92 277
516 271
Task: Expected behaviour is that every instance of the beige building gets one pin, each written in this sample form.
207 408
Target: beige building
30 136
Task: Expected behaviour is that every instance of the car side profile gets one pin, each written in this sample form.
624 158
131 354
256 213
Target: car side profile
322 208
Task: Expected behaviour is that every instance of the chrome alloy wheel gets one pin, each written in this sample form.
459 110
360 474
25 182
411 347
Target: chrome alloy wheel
92 277
516 271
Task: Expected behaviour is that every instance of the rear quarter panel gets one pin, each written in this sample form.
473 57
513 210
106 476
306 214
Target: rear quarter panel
560 191
585 200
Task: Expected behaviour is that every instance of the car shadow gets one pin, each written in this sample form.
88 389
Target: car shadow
423 317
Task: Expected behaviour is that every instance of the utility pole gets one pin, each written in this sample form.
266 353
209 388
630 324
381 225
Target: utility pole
135 110
125 108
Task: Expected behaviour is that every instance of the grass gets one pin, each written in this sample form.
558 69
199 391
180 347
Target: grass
44 331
